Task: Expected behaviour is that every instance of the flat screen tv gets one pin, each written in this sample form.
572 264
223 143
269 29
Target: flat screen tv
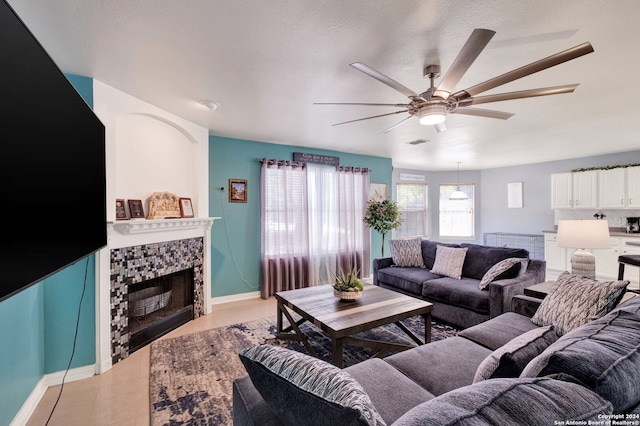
52 168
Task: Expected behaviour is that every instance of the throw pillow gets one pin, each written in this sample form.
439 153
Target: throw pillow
481 258
449 261
303 390
499 268
532 402
407 252
576 300
510 359
603 355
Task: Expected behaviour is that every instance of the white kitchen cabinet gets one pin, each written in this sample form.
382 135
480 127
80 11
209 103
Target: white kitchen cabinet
612 188
619 188
574 190
561 194
556 257
633 187
585 190
607 260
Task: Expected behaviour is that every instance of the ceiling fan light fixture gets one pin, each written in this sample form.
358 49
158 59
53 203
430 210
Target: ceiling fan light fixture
432 114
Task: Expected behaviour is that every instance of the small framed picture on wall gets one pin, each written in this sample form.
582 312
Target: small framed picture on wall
237 190
186 208
121 210
378 192
136 209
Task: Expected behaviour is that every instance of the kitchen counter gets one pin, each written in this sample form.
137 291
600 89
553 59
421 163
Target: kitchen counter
614 232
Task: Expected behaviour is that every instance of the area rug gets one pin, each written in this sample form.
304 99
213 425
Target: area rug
191 376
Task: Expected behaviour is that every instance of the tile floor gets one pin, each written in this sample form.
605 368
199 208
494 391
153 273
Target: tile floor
120 397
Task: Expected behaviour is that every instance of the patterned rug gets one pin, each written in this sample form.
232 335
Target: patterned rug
191 376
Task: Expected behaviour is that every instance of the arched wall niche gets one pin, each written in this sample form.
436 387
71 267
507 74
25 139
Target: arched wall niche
150 150
153 155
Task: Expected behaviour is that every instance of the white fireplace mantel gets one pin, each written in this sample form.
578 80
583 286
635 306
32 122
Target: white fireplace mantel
132 233
148 231
146 225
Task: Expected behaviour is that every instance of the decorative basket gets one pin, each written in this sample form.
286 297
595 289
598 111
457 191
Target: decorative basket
347 296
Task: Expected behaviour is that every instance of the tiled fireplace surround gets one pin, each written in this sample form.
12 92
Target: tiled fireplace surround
139 251
133 265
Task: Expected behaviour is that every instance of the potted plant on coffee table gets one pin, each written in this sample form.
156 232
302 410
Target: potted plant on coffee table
347 286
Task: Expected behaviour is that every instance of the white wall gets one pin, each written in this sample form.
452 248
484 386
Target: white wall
536 215
150 150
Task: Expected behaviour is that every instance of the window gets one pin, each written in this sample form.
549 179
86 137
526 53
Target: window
311 224
412 202
457 216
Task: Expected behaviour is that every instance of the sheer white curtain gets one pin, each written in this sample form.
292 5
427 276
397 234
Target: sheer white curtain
284 234
312 224
338 239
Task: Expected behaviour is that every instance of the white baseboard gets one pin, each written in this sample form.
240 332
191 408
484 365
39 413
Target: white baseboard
46 381
234 298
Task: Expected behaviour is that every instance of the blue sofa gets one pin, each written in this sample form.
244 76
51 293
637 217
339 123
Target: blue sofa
461 302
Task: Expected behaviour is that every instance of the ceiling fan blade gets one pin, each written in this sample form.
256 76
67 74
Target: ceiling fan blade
368 118
555 90
397 124
366 104
483 113
384 79
440 127
470 51
548 62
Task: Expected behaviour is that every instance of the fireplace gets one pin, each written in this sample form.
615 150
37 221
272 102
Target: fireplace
155 288
158 306
139 251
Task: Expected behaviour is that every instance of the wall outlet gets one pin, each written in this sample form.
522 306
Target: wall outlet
618 221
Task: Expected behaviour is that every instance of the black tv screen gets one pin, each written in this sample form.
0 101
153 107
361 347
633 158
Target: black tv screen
52 169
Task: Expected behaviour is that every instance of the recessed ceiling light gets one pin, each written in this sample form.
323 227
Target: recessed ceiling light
210 104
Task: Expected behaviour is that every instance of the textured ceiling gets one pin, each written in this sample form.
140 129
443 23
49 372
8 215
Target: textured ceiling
267 62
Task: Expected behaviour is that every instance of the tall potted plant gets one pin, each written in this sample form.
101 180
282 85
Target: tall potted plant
383 216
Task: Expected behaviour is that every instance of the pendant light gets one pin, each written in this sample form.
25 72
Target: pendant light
457 194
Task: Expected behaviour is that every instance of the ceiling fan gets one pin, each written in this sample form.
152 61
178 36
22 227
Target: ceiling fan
433 105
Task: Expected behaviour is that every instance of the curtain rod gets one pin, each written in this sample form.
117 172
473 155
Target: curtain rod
303 164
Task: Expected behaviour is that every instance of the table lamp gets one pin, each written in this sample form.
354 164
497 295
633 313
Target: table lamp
583 235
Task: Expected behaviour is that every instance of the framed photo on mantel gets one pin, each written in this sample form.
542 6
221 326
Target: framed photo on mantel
136 209
186 208
121 210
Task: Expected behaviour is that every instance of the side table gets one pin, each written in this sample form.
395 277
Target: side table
539 290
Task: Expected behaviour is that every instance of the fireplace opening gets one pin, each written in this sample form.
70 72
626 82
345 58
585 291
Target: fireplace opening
158 306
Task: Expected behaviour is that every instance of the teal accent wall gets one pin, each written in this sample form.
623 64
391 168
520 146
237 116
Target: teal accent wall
63 293
37 325
22 354
84 86
235 238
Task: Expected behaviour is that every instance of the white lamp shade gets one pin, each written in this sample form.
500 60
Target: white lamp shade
458 195
583 234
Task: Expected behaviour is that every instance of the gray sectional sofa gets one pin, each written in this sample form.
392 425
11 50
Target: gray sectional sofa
589 373
461 302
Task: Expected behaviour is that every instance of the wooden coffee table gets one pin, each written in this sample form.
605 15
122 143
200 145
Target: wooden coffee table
340 320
